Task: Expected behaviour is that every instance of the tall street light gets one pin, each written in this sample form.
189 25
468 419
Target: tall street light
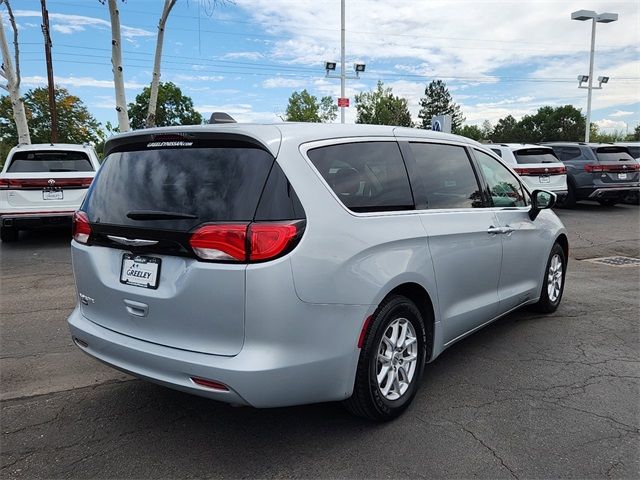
606 17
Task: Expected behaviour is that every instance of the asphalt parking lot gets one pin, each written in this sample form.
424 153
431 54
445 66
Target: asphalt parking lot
527 397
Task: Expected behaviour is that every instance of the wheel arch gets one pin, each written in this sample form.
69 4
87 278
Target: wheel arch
421 298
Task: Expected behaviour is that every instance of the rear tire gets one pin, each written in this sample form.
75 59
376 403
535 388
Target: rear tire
553 285
391 361
569 201
9 234
607 203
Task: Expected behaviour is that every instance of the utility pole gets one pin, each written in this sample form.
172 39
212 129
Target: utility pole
343 65
47 53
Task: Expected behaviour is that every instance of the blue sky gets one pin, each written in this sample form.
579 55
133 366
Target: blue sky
497 57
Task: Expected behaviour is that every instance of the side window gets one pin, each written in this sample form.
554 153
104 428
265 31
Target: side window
366 176
497 151
503 187
569 153
447 175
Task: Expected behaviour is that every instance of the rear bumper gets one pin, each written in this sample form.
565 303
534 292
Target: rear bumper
613 192
260 375
28 220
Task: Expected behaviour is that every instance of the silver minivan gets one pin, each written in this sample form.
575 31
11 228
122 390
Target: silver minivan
275 265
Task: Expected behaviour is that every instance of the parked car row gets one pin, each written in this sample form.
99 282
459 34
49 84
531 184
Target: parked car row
606 173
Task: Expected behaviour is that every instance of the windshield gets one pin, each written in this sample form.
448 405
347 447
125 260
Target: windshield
536 155
51 161
179 188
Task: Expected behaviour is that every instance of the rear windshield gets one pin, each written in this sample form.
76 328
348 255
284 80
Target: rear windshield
536 155
613 154
211 183
52 161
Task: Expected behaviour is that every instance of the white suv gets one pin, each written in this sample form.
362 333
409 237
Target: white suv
537 165
43 185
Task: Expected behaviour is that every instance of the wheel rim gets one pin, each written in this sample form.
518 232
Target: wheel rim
397 359
554 278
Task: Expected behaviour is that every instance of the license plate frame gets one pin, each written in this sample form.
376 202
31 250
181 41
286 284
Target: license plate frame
134 267
52 195
544 179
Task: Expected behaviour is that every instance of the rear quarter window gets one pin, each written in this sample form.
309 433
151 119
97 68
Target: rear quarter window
49 161
365 176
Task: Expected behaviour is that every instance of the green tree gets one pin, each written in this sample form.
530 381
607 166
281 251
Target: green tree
75 123
635 135
438 101
553 123
304 107
597 135
471 131
173 108
487 130
382 107
507 130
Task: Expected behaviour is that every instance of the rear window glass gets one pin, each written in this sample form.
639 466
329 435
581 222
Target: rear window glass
612 154
536 155
366 176
634 151
497 151
447 176
210 183
52 161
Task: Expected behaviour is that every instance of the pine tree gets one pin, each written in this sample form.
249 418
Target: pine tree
437 101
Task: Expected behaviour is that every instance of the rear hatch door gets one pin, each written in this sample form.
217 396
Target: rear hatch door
179 301
615 165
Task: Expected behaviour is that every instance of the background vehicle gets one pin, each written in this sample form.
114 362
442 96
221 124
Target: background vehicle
602 172
634 151
537 166
42 185
275 265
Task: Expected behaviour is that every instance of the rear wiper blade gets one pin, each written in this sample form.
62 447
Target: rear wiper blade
158 215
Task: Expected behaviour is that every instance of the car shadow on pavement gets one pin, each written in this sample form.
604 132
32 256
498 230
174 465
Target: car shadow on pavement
46 237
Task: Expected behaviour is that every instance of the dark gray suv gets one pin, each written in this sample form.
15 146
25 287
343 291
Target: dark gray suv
595 171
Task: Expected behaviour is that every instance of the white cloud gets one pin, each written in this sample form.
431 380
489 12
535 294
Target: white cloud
67 24
39 81
620 113
243 55
194 78
608 124
283 82
243 113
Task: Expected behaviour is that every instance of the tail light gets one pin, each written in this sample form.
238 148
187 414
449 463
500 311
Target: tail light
81 227
627 167
541 171
241 242
38 183
220 242
593 168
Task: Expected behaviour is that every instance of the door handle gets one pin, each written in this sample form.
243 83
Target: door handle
137 309
499 230
495 230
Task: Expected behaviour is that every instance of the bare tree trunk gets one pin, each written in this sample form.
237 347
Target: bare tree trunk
13 87
155 80
116 62
16 45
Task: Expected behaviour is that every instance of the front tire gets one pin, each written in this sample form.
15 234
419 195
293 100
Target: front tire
553 285
9 234
391 361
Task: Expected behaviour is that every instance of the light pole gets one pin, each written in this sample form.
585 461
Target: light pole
331 66
606 17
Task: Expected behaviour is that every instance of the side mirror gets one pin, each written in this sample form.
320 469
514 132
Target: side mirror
540 200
